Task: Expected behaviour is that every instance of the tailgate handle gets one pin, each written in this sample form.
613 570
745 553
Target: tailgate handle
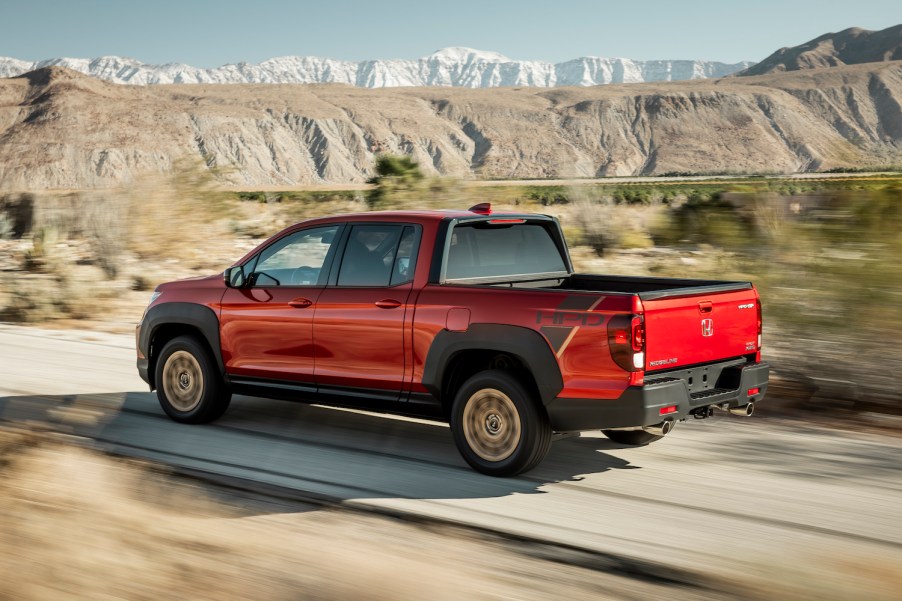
705 307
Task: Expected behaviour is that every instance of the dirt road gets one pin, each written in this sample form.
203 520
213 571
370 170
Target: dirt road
742 498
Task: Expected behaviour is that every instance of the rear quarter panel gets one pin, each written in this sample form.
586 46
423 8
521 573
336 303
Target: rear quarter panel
574 325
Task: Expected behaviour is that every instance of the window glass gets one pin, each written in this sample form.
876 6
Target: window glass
406 259
370 256
484 250
296 260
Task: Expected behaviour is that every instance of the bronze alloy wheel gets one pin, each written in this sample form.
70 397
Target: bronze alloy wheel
491 424
183 381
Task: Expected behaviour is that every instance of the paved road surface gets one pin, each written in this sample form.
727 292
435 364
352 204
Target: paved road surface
727 495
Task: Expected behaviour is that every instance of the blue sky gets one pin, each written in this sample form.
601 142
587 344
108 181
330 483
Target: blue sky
211 33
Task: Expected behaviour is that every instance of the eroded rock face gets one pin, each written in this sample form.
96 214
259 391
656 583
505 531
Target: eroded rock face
63 130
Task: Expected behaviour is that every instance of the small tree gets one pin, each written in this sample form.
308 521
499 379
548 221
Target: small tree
397 179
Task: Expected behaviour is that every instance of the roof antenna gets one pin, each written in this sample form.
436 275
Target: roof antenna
483 208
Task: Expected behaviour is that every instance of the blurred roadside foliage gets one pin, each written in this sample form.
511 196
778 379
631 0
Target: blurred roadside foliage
400 184
829 269
66 254
170 216
825 254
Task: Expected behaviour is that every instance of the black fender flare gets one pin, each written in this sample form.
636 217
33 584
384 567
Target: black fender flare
526 344
201 317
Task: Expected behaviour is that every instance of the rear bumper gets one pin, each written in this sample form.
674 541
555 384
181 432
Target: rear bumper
641 405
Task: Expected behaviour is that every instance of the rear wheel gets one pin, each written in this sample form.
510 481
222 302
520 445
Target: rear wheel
189 386
499 426
635 438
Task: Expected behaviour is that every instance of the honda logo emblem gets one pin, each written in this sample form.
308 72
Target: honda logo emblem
707 327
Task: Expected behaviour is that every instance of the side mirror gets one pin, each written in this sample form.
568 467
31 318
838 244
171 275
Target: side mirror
234 277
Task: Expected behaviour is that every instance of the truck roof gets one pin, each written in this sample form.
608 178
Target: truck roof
478 211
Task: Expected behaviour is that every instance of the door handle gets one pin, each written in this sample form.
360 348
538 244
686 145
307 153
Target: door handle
388 303
300 303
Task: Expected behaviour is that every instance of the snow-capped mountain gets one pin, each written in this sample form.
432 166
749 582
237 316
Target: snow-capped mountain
459 67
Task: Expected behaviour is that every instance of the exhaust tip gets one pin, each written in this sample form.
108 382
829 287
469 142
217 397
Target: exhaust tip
662 429
746 410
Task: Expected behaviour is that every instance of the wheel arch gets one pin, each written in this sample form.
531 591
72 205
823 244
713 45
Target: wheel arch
454 356
166 321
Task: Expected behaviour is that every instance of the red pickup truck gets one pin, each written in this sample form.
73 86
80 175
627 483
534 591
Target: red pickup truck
473 317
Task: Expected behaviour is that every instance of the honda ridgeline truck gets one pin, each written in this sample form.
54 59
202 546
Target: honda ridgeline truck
473 317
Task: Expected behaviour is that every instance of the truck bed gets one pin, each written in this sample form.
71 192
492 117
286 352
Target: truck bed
687 322
647 288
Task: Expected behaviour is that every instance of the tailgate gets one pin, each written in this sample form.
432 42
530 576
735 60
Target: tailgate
699 329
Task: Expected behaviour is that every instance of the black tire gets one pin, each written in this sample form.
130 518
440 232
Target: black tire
499 426
189 386
633 438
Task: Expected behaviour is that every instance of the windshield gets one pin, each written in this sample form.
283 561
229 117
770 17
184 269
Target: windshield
484 250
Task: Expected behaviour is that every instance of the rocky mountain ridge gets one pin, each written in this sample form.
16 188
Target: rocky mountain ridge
60 129
457 67
848 47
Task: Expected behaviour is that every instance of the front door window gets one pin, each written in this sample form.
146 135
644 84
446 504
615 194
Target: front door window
297 260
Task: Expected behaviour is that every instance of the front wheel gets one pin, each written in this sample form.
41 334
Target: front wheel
189 386
499 426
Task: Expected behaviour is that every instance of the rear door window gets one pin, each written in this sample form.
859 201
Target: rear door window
378 255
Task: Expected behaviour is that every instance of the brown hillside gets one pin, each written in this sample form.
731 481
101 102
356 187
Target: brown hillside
848 47
59 129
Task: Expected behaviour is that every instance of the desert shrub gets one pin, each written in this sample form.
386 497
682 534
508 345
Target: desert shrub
59 291
399 184
633 195
705 219
141 283
17 211
604 225
104 225
42 256
547 195
6 227
397 177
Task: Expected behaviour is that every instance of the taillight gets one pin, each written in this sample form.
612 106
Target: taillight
626 341
760 325
638 333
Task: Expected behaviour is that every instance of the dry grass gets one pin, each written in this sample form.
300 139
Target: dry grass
82 253
174 216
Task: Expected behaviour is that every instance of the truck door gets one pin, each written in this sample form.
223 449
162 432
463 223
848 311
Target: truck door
359 322
267 327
